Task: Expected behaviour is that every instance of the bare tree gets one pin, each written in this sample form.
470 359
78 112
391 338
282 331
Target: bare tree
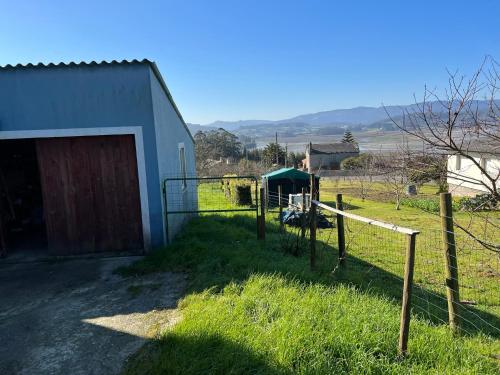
459 123
363 170
463 121
393 170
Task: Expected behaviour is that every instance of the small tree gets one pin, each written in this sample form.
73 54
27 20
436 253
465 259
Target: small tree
363 171
394 171
427 168
348 137
272 154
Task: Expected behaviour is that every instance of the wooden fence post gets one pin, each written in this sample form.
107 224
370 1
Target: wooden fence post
312 224
340 230
257 218
404 327
280 204
262 219
450 258
303 217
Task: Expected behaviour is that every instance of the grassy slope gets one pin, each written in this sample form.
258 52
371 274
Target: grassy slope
252 309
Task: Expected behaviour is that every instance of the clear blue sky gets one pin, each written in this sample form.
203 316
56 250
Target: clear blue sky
238 59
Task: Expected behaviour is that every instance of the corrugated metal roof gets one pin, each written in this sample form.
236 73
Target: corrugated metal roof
333 148
73 64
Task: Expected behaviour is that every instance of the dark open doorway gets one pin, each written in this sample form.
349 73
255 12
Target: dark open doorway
22 224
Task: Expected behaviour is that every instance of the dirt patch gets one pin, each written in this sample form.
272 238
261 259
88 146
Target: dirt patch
78 317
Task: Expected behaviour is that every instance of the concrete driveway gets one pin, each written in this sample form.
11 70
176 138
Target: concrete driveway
77 317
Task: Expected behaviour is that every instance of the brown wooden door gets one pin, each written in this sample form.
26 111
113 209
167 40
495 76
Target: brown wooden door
90 194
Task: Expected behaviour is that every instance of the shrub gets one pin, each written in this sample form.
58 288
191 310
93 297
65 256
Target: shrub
362 161
242 195
238 191
481 202
425 204
428 204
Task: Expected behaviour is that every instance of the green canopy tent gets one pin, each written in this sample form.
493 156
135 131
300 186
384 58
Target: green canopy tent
291 181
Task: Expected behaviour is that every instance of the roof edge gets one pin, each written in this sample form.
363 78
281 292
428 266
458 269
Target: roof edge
163 85
93 63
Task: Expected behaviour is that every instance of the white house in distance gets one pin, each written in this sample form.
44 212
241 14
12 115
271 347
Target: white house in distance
465 178
328 155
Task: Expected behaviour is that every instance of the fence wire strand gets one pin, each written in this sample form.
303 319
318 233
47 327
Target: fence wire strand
376 259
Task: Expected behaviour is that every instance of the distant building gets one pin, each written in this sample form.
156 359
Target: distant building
328 155
465 177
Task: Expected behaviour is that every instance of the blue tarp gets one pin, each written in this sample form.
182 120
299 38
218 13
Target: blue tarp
293 218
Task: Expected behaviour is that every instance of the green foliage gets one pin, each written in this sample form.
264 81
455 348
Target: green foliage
294 159
428 204
481 202
348 137
238 190
254 154
425 204
363 161
273 153
427 168
214 144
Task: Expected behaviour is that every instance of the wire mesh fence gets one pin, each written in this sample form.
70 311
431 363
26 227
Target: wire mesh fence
184 197
210 194
475 282
460 287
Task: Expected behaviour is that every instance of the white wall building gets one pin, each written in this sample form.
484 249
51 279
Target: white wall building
466 178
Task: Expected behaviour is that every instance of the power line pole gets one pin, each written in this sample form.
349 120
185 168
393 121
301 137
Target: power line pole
277 150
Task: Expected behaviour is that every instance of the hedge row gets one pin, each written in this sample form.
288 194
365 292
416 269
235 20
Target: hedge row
237 190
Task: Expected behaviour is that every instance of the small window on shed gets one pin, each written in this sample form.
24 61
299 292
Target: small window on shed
182 163
458 162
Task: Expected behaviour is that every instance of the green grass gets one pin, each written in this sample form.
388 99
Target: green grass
250 308
479 269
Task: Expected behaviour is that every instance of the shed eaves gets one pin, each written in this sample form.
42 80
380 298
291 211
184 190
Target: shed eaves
291 173
73 64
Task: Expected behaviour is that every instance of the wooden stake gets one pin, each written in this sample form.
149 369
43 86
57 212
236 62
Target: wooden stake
404 328
450 258
340 230
312 224
257 219
262 214
280 204
303 217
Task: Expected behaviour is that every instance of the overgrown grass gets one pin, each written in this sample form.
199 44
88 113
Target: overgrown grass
251 309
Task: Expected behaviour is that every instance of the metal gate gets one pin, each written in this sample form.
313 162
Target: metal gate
185 197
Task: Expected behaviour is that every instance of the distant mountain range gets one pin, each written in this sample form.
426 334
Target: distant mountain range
320 123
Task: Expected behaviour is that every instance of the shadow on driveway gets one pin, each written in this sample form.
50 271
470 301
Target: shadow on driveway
77 317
